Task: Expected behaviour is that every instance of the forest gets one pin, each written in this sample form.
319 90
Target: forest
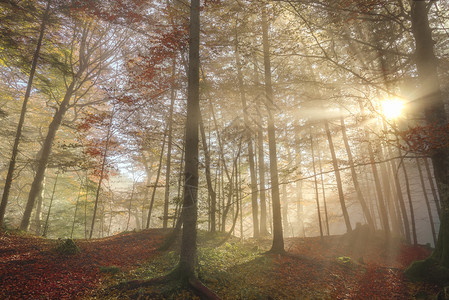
224 149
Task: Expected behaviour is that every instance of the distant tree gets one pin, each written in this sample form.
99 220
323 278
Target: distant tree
18 136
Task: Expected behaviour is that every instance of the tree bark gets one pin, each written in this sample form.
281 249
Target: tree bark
278 238
189 207
341 195
169 146
426 198
46 151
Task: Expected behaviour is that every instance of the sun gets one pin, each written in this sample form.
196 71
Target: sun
392 108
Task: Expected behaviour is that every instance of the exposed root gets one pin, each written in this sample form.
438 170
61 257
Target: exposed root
201 290
192 282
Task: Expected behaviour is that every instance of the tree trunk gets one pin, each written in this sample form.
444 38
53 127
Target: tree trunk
158 174
76 209
323 190
103 167
355 179
37 216
15 148
169 146
426 198
435 115
341 195
189 207
316 186
400 197
432 186
46 151
278 238
252 169
380 198
210 188
49 207
410 203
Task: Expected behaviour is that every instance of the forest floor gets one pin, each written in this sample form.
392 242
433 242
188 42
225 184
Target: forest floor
353 266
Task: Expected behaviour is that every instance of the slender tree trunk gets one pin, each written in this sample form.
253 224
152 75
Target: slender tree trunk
432 186
130 206
355 179
323 190
169 146
15 149
49 207
158 174
46 151
341 195
76 209
278 238
263 200
387 191
299 206
400 197
210 188
103 168
316 186
410 203
380 198
252 169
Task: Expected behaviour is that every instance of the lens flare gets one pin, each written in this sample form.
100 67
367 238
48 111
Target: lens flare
392 108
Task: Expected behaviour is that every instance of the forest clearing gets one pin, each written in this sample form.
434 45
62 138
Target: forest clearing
224 149
356 266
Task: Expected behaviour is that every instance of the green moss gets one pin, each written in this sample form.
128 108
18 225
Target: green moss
68 247
110 269
428 270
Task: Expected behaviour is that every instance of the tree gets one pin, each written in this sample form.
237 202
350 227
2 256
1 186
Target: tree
15 149
87 61
278 237
436 267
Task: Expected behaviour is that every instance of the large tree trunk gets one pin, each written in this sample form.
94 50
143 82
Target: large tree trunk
46 151
426 198
432 102
15 148
278 238
189 207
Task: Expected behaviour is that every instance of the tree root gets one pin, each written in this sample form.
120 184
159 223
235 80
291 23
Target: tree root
193 283
428 270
